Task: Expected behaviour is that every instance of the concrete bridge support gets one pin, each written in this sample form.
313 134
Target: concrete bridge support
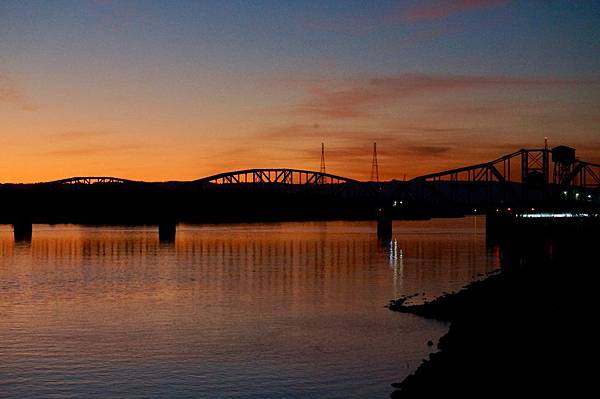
167 231
384 224
22 230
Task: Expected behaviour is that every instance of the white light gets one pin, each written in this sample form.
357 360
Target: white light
556 215
590 196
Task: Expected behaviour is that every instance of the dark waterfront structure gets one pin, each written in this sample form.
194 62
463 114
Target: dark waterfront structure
526 179
519 330
525 226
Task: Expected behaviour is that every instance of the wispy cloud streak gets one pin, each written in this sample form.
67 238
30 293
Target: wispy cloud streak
11 94
444 8
356 100
76 135
97 149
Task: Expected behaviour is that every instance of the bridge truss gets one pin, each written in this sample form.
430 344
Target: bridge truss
275 176
530 167
526 166
581 174
89 180
526 176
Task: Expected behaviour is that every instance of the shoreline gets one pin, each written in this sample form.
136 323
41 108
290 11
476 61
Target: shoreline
525 329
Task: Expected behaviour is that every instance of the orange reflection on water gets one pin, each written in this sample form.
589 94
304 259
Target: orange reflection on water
291 305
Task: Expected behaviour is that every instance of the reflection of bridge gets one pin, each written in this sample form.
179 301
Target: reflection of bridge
525 178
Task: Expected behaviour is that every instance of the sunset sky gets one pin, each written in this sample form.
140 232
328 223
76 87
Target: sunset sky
178 90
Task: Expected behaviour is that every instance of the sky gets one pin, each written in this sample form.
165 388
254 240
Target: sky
178 90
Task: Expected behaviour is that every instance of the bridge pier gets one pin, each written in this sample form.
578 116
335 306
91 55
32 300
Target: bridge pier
167 231
22 230
384 224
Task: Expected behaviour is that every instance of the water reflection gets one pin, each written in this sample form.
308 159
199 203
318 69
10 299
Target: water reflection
396 263
281 310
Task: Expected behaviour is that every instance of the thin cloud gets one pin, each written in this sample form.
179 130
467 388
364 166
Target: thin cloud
428 149
353 144
11 94
410 151
354 158
82 134
358 100
443 9
383 133
95 150
312 132
424 11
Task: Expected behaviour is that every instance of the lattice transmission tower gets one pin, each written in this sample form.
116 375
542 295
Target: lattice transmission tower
322 170
375 165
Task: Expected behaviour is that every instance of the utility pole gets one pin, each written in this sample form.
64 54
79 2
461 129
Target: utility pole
374 165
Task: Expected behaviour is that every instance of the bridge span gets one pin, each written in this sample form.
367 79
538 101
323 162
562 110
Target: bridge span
87 180
276 176
245 176
525 178
557 166
540 178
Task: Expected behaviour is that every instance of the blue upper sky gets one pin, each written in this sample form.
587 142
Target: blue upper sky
524 37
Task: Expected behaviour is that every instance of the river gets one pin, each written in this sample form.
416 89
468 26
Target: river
292 310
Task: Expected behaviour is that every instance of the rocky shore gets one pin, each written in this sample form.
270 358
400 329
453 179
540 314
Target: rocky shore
528 330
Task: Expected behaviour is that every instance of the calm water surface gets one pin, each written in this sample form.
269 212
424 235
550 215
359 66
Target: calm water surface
242 311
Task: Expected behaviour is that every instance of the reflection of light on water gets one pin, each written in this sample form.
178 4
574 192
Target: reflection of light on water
554 215
120 287
393 253
396 261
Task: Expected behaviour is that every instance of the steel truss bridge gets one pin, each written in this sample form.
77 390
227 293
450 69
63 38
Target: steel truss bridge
526 178
526 166
276 176
536 167
520 176
246 176
88 180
